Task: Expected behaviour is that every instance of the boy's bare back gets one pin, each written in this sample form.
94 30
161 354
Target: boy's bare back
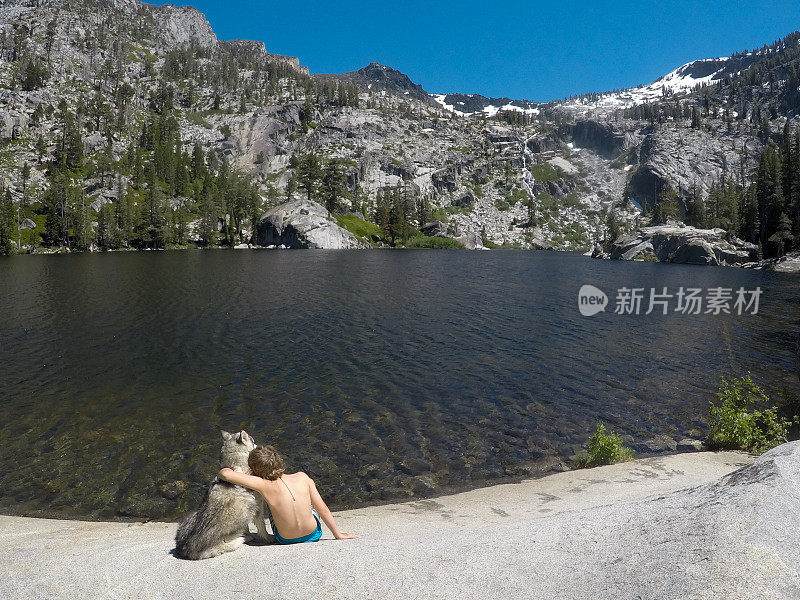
290 498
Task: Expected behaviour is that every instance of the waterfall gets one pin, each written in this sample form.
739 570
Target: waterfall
527 177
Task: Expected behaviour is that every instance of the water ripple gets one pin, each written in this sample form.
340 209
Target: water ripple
384 374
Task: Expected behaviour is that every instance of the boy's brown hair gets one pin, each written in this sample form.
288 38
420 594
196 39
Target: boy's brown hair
265 462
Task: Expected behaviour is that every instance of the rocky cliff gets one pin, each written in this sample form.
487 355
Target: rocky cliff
511 173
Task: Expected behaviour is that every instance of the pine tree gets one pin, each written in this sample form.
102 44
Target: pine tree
107 231
768 195
181 217
782 239
423 210
696 213
255 208
398 224
56 211
794 193
41 148
153 225
309 173
334 185
667 206
749 226
198 162
612 227
695 118
25 176
69 150
83 232
208 218
7 222
788 160
383 210
307 114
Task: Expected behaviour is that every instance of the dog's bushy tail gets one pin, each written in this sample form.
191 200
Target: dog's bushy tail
207 532
186 537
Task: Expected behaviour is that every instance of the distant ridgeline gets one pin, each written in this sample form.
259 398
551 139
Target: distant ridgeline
126 125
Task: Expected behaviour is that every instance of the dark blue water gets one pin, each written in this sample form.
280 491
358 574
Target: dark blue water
384 374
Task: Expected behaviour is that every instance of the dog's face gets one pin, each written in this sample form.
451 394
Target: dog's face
236 448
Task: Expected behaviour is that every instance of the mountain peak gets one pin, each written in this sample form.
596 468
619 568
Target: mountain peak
378 77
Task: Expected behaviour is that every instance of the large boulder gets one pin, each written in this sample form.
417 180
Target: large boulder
435 229
471 241
790 263
11 124
678 243
466 200
694 252
444 180
539 244
558 188
304 224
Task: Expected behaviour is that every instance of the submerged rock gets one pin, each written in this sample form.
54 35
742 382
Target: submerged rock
304 224
689 445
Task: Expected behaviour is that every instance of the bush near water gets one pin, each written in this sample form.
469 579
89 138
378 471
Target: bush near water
744 419
603 449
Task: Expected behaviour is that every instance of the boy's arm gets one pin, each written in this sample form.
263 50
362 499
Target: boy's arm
325 514
248 481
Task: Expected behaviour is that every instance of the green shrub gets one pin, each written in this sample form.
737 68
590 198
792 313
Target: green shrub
439 243
440 214
502 203
743 419
518 195
603 449
622 160
575 237
360 228
197 119
544 172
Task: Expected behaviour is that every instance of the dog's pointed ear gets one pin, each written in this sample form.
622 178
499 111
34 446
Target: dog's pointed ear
225 435
245 436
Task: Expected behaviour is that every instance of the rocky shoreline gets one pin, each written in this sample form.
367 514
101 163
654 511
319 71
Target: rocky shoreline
700 525
678 243
305 224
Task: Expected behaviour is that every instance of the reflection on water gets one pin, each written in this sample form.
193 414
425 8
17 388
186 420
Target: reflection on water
383 374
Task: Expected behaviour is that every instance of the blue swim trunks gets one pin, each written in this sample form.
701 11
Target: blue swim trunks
311 537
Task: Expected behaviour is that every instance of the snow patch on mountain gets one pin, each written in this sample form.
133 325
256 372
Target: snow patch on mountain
465 105
442 100
682 80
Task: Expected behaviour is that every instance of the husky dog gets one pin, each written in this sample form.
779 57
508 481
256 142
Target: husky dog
222 521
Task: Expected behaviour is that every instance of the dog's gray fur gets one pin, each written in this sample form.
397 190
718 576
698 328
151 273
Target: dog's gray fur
222 521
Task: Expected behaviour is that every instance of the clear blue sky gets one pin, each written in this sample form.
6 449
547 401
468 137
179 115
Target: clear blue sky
523 49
